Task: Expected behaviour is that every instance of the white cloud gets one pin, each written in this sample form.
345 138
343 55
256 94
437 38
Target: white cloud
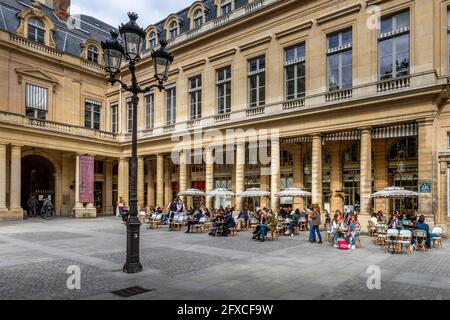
115 12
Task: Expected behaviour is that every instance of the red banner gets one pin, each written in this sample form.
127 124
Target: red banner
87 177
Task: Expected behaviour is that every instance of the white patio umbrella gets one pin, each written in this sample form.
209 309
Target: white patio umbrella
220 193
395 193
293 193
254 193
191 193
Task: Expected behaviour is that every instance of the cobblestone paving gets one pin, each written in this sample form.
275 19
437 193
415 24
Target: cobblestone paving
35 255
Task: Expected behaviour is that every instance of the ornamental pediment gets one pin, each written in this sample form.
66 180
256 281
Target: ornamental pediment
35 74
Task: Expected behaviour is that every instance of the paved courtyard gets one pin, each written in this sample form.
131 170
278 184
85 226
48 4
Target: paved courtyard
35 255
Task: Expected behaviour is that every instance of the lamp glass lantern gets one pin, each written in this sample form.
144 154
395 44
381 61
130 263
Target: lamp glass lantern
113 52
133 38
162 61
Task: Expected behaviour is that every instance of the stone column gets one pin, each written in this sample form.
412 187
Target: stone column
265 184
316 188
108 196
183 174
209 176
366 176
380 173
275 174
150 184
140 183
167 182
123 180
3 209
427 168
16 211
160 180
240 173
57 177
337 200
68 184
298 175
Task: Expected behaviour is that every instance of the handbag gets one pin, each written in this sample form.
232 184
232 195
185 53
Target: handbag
342 244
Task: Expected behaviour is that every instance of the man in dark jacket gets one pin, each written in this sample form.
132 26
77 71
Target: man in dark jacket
228 223
195 219
32 206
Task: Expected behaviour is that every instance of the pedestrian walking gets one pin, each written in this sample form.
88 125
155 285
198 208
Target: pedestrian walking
32 206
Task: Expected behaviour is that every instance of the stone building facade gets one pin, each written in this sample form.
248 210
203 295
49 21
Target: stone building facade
355 90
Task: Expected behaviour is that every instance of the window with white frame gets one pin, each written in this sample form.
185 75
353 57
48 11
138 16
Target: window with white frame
226 6
36 30
223 90
171 105
257 82
340 65
129 115
92 54
198 18
173 29
92 111
152 40
394 46
295 72
36 102
195 97
149 110
115 118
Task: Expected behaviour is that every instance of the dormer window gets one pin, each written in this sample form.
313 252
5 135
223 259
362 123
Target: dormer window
36 30
92 53
173 30
198 18
152 40
226 6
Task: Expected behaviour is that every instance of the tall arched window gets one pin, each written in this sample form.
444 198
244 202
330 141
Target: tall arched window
404 149
152 40
36 30
92 53
198 18
173 29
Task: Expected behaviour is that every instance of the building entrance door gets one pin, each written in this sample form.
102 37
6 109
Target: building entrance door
37 179
98 196
352 190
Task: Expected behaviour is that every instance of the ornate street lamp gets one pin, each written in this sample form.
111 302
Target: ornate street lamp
133 38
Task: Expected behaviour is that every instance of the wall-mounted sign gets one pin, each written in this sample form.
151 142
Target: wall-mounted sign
425 187
87 179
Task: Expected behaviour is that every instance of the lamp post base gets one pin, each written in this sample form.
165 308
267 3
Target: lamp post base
133 264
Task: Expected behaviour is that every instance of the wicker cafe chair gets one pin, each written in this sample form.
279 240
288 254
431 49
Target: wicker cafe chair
155 223
200 226
328 236
420 236
381 234
178 223
437 238
391 240
404 241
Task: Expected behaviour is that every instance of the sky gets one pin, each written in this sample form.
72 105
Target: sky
114 12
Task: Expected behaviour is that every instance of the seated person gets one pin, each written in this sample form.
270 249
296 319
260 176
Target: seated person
294 217
218 225
336 224
396 223
262 228
422 225
228 223
242 219
327 217
354 231
193 220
